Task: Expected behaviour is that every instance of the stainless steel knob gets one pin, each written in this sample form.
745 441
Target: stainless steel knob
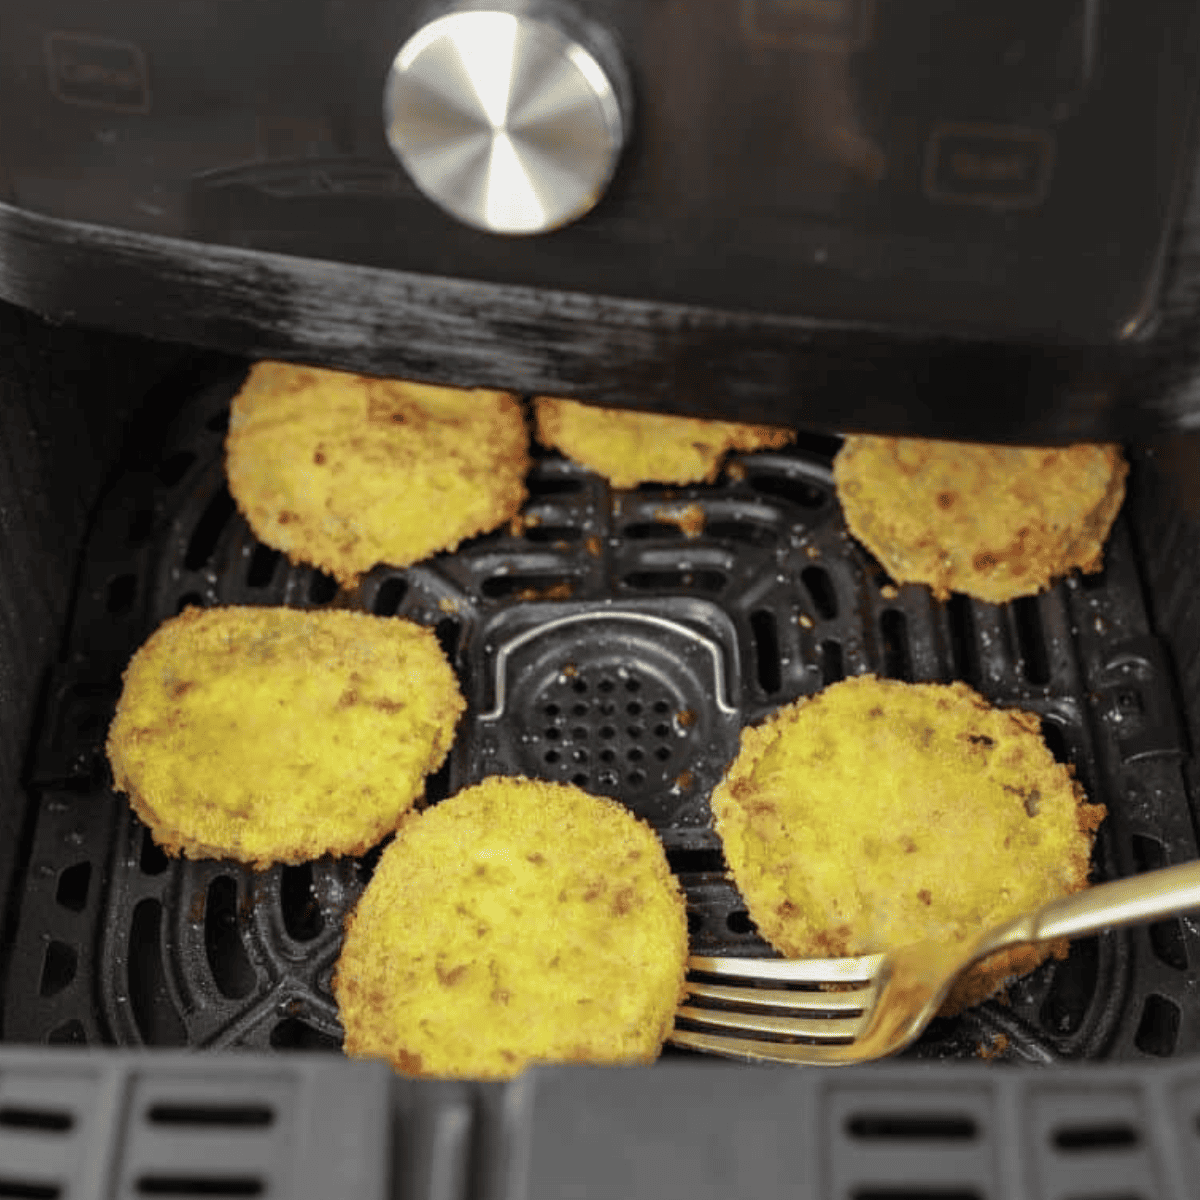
505 121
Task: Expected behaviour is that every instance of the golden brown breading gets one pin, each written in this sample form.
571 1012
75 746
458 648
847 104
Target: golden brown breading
629 448
346 471
995 522
516 922
276 735
878 813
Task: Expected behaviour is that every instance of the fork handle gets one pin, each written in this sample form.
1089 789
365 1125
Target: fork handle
1125 902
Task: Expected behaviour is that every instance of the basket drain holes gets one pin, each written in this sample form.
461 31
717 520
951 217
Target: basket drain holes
1031 639
1158 1030
262 566
963 648
389 597
832 666
301 913
1055 740
152 860
69 1033
1166 936
171 470
820 587
141 526
58 968
293 1034
893 629
72 890
120 594
569 724
739 921
231 968
208 530
766 650
149 996
1073 988
322 588
788 487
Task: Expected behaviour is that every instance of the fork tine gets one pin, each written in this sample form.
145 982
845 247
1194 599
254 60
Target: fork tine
791 970
749 997
823 1029
838 1054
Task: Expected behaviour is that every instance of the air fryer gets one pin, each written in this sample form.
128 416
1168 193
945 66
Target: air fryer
842 217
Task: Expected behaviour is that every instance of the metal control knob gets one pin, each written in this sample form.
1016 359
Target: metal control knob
505 121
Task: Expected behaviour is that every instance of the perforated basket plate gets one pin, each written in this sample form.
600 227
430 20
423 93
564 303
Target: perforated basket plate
620 640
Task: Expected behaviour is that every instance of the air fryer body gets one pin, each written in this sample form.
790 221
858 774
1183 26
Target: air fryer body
838 215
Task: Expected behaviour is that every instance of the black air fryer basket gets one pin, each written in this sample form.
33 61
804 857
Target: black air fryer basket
620 640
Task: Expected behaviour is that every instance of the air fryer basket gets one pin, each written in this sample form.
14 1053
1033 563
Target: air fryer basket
616 639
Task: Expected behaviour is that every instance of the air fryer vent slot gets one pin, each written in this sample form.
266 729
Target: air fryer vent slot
927 1127
16 1189
199 1185
41 1119
212 1116
1090 1138
918 1193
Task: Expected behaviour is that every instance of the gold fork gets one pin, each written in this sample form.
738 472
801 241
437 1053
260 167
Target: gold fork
882 1002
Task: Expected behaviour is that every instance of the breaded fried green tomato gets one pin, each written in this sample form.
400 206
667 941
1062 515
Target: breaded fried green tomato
275 735
346 471
516 922
877 813
994 522
629 448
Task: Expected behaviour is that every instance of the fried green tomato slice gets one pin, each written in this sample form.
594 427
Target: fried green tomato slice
629 448
516 922
877 813
993 522
275 735
346 471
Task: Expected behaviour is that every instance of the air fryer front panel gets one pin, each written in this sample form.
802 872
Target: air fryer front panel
1004 172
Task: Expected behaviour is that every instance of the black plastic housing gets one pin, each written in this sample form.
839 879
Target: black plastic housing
908 217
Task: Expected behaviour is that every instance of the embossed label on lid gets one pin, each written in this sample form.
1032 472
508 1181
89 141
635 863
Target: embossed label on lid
97 72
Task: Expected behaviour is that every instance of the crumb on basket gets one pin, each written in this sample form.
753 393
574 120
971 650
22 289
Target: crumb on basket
689 518
998 1046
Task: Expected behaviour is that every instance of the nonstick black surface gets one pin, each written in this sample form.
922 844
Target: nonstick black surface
619 641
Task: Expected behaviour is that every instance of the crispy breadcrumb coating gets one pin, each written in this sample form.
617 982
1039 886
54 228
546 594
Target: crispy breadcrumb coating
879 813
513 923
995 522
277 735
346 471
629 448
